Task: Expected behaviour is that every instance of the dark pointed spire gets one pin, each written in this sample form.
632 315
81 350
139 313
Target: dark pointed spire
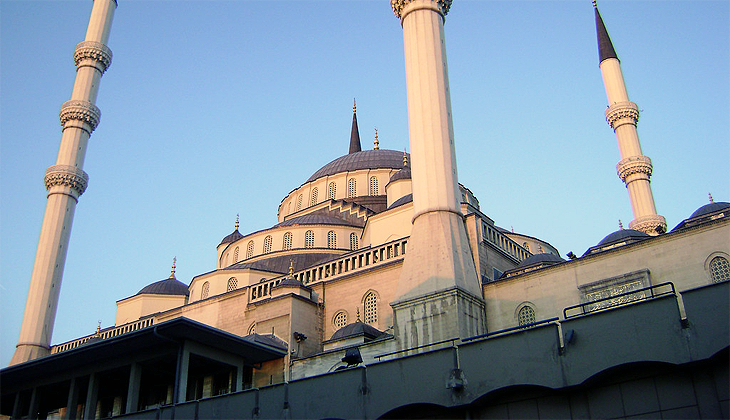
605 47
354 133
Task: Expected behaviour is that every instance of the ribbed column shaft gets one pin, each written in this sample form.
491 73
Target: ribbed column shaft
65 181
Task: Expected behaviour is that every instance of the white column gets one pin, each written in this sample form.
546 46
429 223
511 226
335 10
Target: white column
65 181
438 279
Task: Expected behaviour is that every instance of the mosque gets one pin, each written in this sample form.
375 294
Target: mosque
386 291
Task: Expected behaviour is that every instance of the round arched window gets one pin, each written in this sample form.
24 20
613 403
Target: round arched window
719 269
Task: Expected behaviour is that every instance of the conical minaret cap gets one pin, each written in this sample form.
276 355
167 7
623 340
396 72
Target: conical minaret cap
354 133
605 47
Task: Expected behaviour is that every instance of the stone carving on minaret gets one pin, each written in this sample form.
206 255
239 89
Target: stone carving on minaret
93 54
66 176
81 111
399 5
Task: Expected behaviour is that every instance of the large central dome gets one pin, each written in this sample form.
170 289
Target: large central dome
368 159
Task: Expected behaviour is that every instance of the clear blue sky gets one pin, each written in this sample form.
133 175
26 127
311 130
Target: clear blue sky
213 108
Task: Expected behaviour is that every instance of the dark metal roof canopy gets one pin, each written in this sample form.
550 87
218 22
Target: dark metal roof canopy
605 47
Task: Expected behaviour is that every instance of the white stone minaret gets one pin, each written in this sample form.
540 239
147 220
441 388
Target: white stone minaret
634 169
439 293
65 182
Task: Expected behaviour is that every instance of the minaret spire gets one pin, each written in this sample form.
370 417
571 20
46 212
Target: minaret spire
634 169
65 182
354 132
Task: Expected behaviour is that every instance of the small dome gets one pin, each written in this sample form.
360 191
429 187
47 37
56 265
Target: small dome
233 237
169 286
314 219
623 235
367 159
355 329
710 208
404 173
544 258
401 201
290 282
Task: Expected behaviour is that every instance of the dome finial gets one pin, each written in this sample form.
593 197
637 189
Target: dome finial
405 158
172 273
357 311
291 269
236 221
354 131
98 329
376 142
595 6
712 200
354 106
620 225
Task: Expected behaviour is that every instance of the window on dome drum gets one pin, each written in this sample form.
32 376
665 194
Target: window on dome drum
232 284
526 315
353 241
719 269
526 246
249 250
332 191
287 241
299 202
340 319
373 189
315 193
267 244
288 208
309 239
204 290
331 239
351 188
371 308
235 255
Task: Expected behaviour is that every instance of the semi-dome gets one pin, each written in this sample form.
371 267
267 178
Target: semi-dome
708 212
233 237
543 259
619 238
168 286
404 173
367 159
401 201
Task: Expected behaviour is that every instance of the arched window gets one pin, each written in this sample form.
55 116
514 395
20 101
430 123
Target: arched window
267 244
315 193
309 239
340 319
351 188
299 203
252 329
204 290
371 308
287 241
526 315
353 241
331 239
332 191
249 249
235 255
373 188
232 284
288 208
719 269
526 246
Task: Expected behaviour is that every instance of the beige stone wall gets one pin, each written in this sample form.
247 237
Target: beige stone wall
135 307
677 257
388 226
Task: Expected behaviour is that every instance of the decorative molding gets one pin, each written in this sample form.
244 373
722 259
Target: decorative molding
398 6
624 112
634 165
651 224
93 54
83 111
66 176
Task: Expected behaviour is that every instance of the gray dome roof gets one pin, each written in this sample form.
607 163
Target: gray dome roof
404 173
314 219
368 159
355 329
709 208
233 237
401 201
169 286
544 258
623 234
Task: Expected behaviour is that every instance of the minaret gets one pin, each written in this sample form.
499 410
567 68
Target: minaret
65 182
354 132
634 169
438 294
